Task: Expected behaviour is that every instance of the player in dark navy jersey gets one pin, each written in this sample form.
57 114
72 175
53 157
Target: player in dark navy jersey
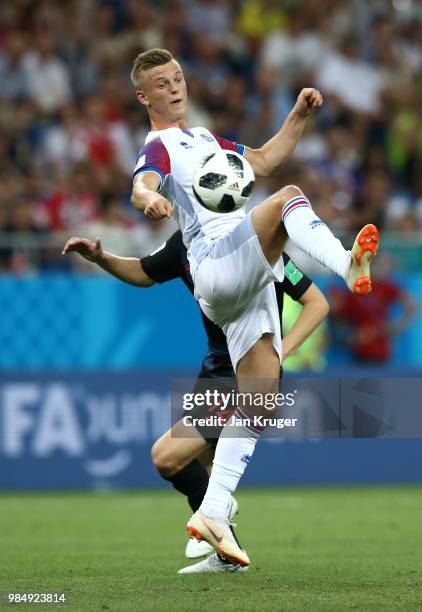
184 460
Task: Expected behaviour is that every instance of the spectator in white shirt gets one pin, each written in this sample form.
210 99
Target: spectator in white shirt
355 83
48 76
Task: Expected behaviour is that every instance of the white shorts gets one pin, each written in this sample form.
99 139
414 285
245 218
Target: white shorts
233 284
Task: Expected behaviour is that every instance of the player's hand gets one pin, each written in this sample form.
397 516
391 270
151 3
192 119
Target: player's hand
92 251
307 101
158 208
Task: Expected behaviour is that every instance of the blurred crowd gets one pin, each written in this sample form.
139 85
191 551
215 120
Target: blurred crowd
71 127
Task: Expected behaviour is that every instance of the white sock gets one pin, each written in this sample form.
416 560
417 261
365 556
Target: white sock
234 450
312 235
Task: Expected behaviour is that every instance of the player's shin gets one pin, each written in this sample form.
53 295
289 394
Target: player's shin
313 236
234 450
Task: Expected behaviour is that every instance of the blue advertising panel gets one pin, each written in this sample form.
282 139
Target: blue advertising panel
83 322
76 322
95 430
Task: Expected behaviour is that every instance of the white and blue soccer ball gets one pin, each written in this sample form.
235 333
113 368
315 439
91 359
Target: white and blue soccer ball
224 182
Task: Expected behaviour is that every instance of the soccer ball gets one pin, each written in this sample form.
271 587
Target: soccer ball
224 182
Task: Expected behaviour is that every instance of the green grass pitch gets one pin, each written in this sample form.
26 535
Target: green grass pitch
311 549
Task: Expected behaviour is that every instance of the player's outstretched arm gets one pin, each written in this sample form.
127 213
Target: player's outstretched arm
278 149
127 269
146 199
315 310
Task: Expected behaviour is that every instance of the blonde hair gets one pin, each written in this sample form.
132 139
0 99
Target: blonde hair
147 60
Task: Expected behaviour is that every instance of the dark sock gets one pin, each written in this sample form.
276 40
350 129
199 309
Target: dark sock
192 481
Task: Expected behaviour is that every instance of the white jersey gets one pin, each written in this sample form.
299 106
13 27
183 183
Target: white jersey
175 154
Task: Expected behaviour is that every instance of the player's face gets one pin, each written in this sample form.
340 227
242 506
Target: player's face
164 91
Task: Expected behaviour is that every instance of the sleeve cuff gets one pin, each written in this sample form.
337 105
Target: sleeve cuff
150 169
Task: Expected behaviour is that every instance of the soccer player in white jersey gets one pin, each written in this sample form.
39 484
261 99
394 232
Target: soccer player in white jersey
234 259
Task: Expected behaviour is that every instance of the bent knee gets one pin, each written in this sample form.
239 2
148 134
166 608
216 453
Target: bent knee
165 463
286 193
291 191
